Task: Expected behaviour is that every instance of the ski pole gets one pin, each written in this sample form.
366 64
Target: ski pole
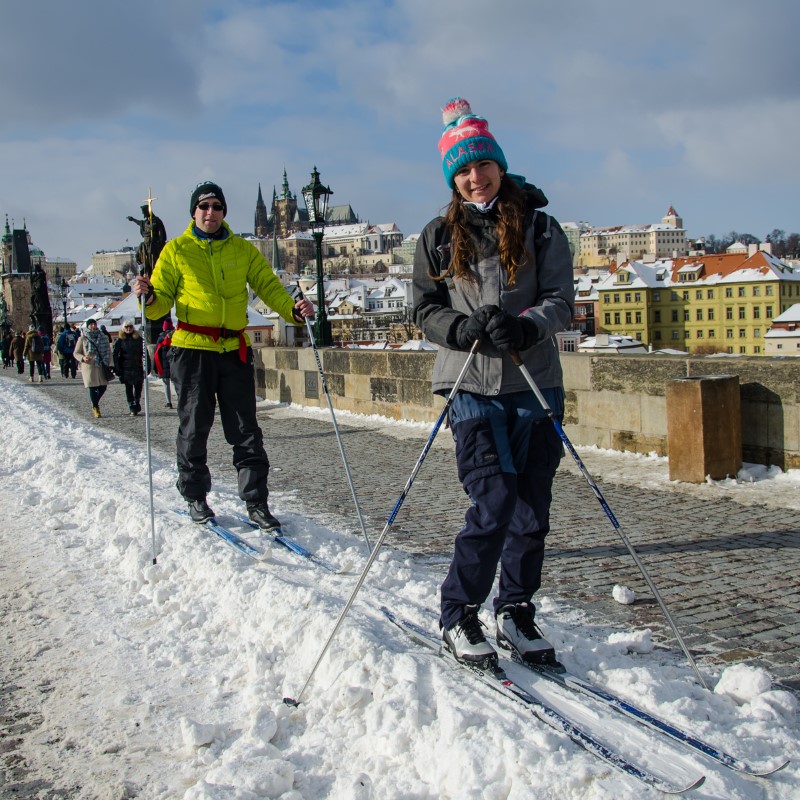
147 429
374 554
336 431
609 513
145 354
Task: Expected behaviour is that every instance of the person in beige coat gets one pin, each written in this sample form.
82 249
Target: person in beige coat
93 353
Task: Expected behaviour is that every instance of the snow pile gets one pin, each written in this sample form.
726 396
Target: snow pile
166 680
623 595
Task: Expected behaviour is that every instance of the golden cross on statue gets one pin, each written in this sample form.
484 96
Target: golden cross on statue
150 200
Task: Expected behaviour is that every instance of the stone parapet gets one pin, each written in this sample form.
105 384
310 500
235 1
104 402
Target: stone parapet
614 402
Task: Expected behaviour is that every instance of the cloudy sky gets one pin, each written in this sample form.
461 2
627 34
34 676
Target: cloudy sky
617 110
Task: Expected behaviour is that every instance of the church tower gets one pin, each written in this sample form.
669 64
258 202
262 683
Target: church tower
672 218
261 223
284 210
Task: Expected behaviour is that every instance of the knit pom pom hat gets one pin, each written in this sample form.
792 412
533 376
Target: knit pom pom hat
466 138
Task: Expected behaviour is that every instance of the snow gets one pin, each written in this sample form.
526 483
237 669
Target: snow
166 680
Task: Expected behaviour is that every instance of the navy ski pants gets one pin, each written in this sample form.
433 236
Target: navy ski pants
202 379
507 452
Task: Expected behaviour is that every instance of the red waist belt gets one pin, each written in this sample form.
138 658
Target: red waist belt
218 333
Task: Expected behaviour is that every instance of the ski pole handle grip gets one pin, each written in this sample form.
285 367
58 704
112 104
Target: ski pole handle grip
515 357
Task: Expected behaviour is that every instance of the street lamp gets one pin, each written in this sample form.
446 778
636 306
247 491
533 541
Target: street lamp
316 196
64 288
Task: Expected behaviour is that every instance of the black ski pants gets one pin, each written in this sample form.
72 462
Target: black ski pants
507 453
203 379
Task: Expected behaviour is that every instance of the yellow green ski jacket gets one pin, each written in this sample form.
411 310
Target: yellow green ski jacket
206 280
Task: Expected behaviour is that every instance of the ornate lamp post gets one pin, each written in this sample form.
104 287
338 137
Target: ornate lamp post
316 196
63 289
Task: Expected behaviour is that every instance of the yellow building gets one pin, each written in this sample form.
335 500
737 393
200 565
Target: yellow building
700 304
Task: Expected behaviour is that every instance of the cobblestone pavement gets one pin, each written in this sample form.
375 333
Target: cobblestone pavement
728 572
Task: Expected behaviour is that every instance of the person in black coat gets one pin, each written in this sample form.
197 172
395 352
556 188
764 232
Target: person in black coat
128 364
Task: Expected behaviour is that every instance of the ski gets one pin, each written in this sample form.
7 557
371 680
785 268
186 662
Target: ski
230 538
499 682
290 544
567 680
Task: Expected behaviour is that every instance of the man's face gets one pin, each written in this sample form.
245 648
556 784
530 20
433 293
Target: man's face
208 215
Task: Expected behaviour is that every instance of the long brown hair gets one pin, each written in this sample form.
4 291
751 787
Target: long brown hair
510 210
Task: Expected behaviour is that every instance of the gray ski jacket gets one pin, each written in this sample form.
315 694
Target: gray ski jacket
543 293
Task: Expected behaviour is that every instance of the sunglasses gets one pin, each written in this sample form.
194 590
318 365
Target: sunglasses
212 206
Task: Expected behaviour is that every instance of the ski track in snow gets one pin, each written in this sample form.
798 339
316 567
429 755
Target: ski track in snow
166 680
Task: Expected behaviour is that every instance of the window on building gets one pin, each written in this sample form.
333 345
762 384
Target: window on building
756 312
757 333
607 318
685 314
699 334
742 291
757 349
687 334
729 333
627 297
699 314
656 297
657 316
674 295
674 314
698 294
710 313
728 312
616 298
729 350
616 318
637 297
756 291
729 291
676 335
256 337
710 294
638 317
686 295
657 335
768 312
742 312
742 333
769 291
743 350
712 334
627 317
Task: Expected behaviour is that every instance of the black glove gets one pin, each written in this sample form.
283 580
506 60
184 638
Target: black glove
511 333
471 328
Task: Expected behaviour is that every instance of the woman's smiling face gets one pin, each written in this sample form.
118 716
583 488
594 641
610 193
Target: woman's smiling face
479 181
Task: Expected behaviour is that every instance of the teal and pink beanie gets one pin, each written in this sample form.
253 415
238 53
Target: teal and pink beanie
466 138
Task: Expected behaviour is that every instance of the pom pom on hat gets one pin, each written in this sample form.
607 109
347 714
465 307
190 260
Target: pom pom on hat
466 138
458 107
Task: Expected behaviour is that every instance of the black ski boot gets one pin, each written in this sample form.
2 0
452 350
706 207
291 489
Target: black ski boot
260 514
200 512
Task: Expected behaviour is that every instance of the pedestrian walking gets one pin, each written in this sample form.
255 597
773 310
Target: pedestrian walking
205 273
497 269
34 352
5 347
163 359
93 354
47 354
128 364
17 350
65 345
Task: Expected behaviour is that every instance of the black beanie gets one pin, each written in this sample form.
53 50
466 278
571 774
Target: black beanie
203 191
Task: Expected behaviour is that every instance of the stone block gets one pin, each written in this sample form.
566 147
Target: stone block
704 428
